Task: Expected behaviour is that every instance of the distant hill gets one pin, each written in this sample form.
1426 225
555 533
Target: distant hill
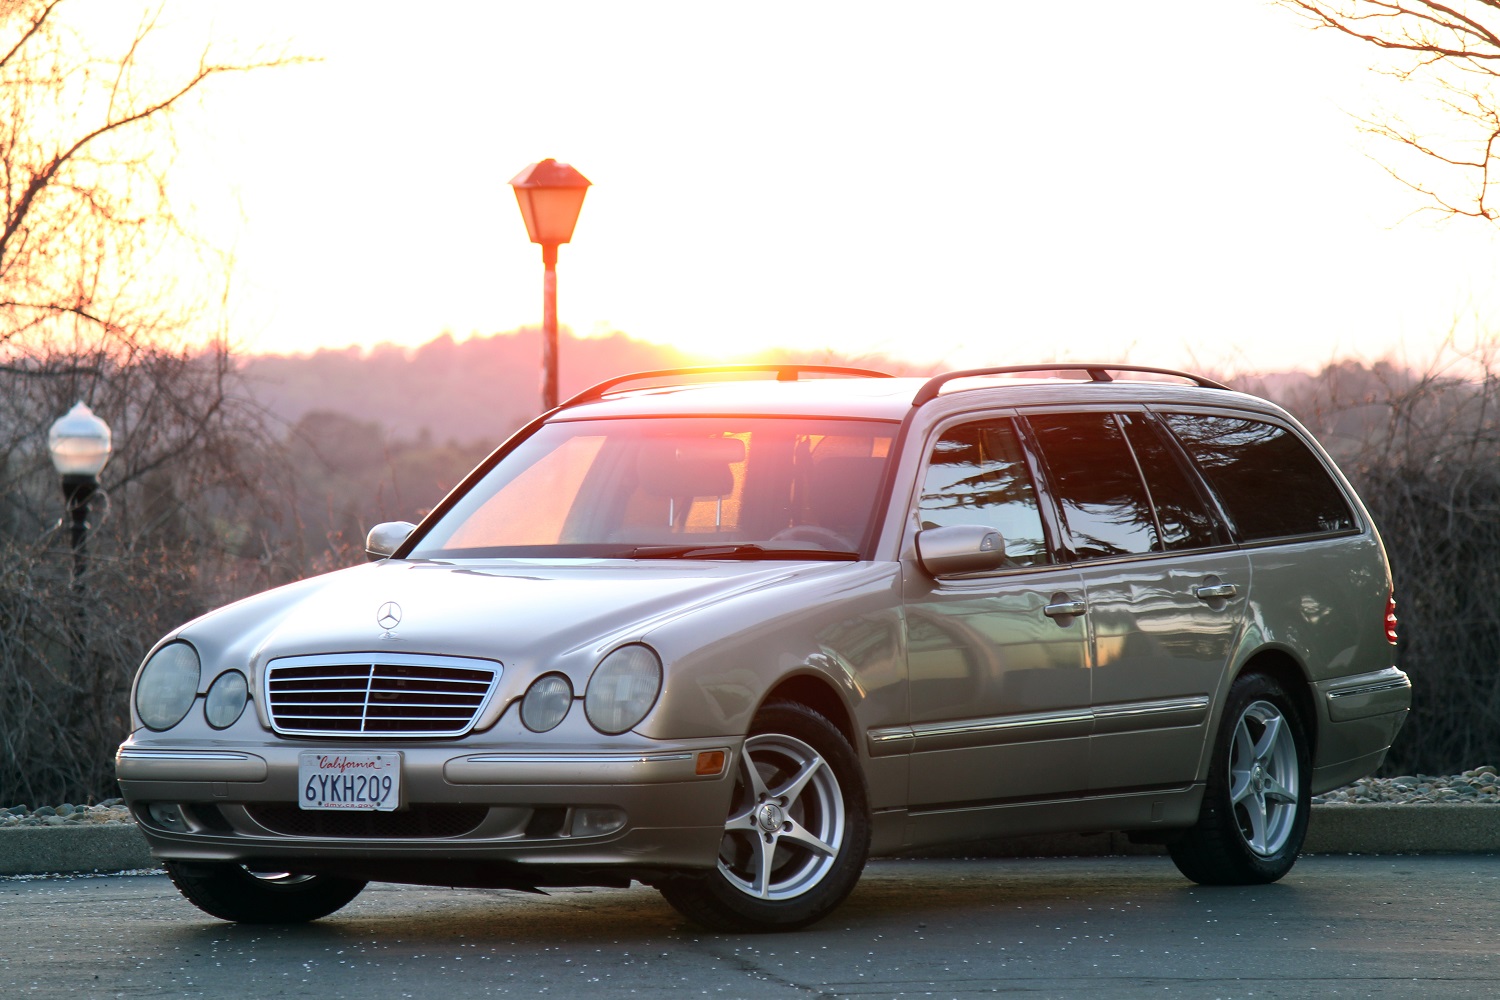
466 392
475 393
475 390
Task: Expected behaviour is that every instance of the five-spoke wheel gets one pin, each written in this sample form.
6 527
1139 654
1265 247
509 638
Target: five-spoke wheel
1256 802
783 834
1264 777
797 834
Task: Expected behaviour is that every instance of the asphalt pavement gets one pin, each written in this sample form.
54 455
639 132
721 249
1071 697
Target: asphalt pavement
1333 829
1112 928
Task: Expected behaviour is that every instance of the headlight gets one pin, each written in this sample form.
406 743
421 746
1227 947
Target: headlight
226 699
168 685
623 689
546 702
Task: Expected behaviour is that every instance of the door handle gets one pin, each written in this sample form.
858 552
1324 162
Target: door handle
1215 592
1064 609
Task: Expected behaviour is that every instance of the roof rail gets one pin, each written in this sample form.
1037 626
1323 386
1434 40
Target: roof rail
1096 373
784 373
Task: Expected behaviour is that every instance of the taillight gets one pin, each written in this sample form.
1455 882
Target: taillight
1390 620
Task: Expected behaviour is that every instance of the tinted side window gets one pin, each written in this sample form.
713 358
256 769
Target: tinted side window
977 475
1270 484
1181 510
1099 489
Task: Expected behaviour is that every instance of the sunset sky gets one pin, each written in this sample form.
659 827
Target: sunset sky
962 183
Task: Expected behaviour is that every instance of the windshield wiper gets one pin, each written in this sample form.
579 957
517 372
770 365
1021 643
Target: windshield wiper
743 550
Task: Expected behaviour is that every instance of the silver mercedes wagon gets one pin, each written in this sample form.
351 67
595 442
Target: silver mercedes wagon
730 632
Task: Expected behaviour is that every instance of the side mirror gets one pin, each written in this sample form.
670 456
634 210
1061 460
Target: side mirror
386 538
960 548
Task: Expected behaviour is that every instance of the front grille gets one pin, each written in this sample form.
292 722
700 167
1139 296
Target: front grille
351 694
418 821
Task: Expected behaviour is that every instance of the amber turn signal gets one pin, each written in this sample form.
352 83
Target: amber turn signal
710 762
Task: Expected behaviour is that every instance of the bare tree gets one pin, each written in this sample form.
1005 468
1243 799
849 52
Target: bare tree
1452 50
86 140
94 307
1420 447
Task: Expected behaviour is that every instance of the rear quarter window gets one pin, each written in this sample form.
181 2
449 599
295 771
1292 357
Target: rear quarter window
1269 482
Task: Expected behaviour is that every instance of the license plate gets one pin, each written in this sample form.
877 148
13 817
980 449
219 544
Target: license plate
362 781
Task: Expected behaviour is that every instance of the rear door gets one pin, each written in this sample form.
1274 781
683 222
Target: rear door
1165 590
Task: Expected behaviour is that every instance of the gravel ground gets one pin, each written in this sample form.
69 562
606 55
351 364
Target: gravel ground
1478 786
108 812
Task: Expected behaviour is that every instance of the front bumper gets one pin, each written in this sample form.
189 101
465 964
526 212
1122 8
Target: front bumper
462 810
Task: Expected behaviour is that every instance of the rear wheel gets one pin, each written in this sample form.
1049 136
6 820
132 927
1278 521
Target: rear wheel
798 830
234 892
1256 803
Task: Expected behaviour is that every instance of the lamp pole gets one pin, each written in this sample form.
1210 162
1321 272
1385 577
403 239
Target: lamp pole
77 492
80 444
549 326
550 196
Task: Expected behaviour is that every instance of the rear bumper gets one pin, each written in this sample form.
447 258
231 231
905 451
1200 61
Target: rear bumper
1380 692
1359 717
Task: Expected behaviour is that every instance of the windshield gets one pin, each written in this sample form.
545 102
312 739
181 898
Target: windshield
669 487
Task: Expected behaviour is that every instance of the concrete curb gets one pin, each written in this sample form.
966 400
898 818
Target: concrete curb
1338 829
1397 829
58 850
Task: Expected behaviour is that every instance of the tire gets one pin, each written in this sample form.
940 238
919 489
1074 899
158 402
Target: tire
1256 803
233 892
798 830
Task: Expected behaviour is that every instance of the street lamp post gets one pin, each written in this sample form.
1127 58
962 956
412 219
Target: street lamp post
80 445
550 195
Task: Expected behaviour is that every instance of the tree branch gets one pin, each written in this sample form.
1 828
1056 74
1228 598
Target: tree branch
1442 39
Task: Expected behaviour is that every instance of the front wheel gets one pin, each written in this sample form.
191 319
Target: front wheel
1256 803
233 892
798 830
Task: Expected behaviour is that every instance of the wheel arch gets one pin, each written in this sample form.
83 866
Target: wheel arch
819 695
1285 669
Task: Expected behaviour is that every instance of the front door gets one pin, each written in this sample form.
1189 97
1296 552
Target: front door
998 662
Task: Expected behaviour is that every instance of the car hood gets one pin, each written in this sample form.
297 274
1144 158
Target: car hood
509 610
